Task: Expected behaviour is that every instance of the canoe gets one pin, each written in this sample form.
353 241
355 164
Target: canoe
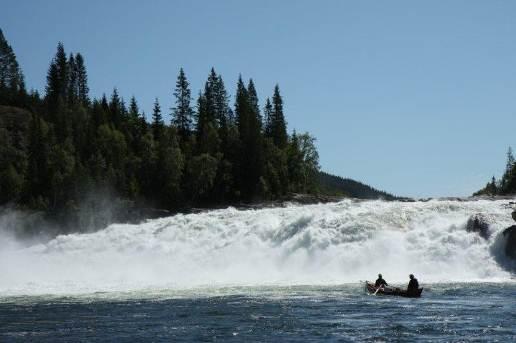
387 290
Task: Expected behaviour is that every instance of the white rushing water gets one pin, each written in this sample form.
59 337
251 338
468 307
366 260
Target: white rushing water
315 244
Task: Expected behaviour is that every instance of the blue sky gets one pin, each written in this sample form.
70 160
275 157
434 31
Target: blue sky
416 98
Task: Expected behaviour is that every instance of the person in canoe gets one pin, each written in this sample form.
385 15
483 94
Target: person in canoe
413 285
380 282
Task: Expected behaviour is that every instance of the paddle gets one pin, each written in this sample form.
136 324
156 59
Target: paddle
377 290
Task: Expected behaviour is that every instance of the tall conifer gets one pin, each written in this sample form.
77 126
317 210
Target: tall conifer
11 76
278 125
116 108
267 117
72 80
182 113
242 109
157 121
222 104
82 80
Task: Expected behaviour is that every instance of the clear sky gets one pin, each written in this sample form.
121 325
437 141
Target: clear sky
417 98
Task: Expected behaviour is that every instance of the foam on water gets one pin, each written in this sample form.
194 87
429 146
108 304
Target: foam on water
311 245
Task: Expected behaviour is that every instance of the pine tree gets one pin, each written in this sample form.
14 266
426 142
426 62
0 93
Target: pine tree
182 113
201 115
72 80
104 103
124 113
116 109
255 127
157 121
210 96
11 77
253 101
222 105
278 124
249 125
134 112
136 126
206 131
510 161
492 186
57 85
224 181
507 176
62 70
82 80
134 121
267 116
242 109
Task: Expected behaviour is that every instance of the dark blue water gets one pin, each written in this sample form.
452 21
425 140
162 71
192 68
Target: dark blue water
446 312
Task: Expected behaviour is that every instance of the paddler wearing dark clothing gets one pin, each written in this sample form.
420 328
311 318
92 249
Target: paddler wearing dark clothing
413 285
380 282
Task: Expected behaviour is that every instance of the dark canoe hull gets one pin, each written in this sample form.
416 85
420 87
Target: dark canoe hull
393 291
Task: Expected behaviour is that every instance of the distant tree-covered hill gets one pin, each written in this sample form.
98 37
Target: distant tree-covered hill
336 185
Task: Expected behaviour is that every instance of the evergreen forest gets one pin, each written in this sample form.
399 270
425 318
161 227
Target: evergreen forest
64 146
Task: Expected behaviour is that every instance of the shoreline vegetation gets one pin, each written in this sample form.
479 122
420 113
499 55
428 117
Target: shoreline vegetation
80 161
506 185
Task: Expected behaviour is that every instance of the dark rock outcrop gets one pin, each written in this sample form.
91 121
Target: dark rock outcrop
478 223
510 245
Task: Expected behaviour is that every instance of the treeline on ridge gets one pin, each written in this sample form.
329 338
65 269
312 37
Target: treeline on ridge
336 185
506 185
56 147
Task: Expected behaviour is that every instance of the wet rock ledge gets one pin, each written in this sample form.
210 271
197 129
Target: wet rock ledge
478 223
